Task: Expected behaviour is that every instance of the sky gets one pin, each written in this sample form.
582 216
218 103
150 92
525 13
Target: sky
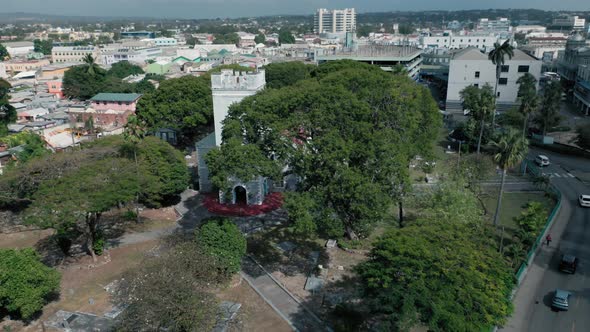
248 8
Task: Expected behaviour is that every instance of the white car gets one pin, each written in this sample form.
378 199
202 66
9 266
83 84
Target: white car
542 160
584 200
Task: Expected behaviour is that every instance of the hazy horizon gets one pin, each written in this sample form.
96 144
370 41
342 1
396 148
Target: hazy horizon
202 9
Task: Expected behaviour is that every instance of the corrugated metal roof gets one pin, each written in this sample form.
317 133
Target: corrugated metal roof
122 97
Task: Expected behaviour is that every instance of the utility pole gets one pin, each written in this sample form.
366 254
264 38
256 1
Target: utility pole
459 157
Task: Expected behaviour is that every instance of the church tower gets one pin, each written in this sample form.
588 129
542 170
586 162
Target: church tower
230 87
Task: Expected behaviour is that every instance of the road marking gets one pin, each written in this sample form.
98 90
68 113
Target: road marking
571 175
573 326
557 174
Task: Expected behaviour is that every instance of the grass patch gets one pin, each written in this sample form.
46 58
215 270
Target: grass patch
513 204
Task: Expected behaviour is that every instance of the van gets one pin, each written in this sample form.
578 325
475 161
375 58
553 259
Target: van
542 160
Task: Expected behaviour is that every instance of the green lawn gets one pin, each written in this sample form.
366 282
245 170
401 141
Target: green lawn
513 204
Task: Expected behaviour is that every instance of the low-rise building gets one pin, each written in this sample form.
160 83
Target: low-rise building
472 67
582 89
55 88
54 71
577 52
386 57
501 24
164 41
19 48
73 54
31 115
483 41
108 110
13 67
138 34
568 23
139 56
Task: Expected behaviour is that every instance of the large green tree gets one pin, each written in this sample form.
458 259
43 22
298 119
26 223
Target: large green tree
43 46
437 272
348 135
527 95
7 112
184 104
123 69
285 37
481 104
510 150
26 284
283 74
3 53
548 114
260 38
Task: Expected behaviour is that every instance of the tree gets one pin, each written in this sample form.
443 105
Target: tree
285 37
7 112
133 133
530 222
527 95
144 86
78 83
172 292
33 145
43 46
77 201
26 284
260 38
283 74
480 103
583 137
511 149
184 104
498 56
90 64
3 53
431 271
347 134
221 238
123 69
406 29
548 115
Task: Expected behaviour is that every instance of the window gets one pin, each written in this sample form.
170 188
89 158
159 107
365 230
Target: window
476 74
476 85
523 69
504 68
503 81
498 96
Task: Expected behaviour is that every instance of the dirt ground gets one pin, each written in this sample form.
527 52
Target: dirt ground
255 314
23 239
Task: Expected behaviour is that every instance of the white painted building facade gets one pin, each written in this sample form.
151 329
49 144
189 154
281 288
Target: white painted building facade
471 67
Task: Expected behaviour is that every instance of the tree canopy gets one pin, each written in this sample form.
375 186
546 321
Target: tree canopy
548 114
285 37
123 69
481 104
7 112
43 46
283 74
221 238
26 284
260 38
438 272
348 134
184 104
3 53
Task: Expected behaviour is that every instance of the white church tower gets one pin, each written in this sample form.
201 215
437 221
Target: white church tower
230 87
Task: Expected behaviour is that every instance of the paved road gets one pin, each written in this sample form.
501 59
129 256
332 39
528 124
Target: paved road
571 233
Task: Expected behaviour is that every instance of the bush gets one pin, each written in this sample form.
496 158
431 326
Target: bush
129 215
349 244
26 284
99 242
221 238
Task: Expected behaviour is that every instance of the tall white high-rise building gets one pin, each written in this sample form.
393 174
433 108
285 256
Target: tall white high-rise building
334 21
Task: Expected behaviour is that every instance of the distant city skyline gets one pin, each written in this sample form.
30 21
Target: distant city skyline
248 8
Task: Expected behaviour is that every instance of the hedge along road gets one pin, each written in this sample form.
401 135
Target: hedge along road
570 232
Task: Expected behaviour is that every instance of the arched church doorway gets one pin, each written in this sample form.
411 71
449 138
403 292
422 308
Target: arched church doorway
240 195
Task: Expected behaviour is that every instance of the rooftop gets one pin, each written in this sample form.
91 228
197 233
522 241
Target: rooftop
122 97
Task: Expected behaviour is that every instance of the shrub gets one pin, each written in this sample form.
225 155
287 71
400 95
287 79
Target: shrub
26 284
221 238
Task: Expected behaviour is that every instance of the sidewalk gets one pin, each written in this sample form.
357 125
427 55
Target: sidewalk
281 300
524 298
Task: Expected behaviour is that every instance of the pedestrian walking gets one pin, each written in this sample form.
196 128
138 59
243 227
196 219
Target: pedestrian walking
548 239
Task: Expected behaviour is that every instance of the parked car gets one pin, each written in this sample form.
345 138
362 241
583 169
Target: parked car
568 263
542 160
561 300
584 200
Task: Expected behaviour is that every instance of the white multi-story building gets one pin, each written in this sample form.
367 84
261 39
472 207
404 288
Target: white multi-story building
73 54
568 23
164 41
18 48
334 21
500 24
472 67
545 48
139 56
483 41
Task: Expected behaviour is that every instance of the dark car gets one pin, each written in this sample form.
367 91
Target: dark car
568 263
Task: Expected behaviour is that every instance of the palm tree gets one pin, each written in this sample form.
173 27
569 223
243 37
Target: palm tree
529 101
91 63
511 149
497 56
134 132
480 103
